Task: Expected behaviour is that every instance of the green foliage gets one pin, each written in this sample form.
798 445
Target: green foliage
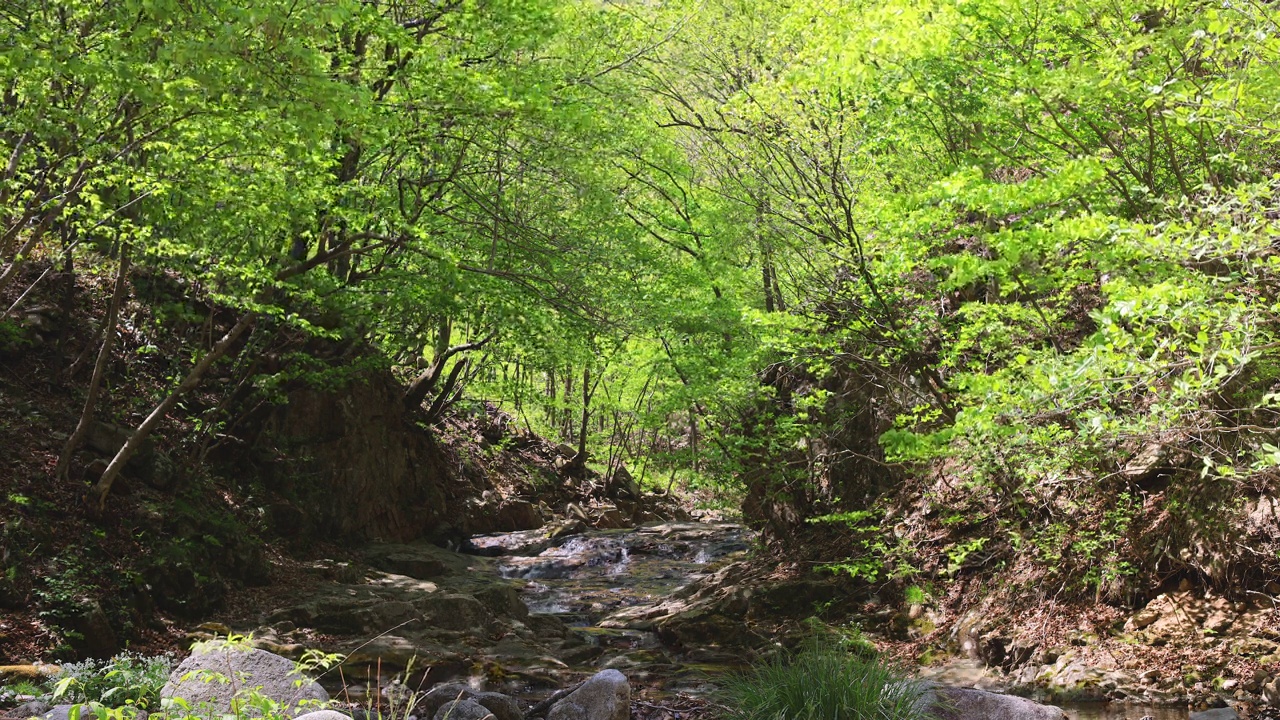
822 683
13 337
803 251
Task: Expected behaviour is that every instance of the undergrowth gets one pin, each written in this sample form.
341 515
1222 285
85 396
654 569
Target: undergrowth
823 682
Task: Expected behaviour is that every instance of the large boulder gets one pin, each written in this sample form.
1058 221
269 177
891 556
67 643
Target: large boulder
467 709
440 695
218 674
502 706
954 703
606 696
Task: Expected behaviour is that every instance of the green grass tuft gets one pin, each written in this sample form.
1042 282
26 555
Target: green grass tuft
822 683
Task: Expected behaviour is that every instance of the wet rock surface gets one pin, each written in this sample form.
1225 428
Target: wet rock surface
520 616
668 604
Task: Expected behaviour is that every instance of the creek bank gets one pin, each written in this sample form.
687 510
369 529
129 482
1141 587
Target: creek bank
1186 647
221 678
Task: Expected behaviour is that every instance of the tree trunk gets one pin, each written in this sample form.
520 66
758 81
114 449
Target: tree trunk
99 369
99 491
581 460
441 402
424 384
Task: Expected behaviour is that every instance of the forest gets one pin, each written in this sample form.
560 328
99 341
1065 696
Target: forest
967 310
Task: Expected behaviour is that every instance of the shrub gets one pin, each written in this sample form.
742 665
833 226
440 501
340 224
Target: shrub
822 683
125 679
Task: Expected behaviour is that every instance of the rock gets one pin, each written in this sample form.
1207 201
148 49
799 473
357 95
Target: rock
97 638
412 565
953 703
1215 714
516 514
504 600
1271 692
605 696
454 611
609 517
439 695
323 715
566 528
388 650
201 680
63 712
502 706
107 438
621 484
467 709
35 708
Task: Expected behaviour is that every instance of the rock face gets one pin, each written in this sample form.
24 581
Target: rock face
202 680
371 473
950 703
606 696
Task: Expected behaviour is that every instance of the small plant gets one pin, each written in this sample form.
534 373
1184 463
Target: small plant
822 683
915 595
126 679
19 690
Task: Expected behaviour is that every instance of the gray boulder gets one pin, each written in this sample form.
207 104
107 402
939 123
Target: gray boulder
34 708
323 715
606 696
63 712
502 706
436 697
953 703
216 675
1215 714
467 709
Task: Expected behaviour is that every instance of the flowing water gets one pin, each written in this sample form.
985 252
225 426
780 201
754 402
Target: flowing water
583 578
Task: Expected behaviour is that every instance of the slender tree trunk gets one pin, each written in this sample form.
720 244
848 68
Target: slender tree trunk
99 369
693 438
436 411
72 191
586 416
18 261
18 303
98 493
426 383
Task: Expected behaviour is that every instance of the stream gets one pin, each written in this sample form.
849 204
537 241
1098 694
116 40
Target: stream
582 579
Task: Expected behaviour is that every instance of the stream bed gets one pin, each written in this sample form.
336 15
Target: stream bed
584 578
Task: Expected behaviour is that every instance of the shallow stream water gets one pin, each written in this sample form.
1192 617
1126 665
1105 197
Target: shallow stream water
583 578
